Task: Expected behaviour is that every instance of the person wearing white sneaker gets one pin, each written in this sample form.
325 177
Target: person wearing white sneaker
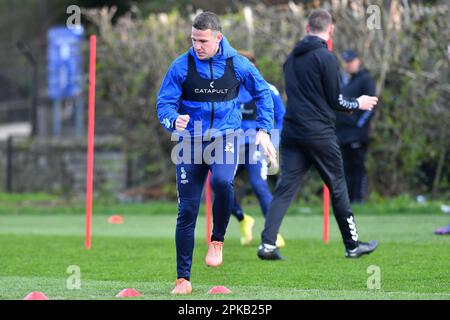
252 160
309 139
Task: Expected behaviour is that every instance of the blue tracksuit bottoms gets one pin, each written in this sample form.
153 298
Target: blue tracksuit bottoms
194 160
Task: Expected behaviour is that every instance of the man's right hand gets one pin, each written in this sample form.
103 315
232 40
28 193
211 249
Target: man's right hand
367 102
182 122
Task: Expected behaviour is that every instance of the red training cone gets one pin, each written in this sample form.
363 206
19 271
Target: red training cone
36 295
128 293
115 219
219 290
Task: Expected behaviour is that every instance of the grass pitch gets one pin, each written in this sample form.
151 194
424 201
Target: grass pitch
36 251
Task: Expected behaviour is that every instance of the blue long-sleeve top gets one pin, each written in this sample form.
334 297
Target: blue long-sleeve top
227 115
251 125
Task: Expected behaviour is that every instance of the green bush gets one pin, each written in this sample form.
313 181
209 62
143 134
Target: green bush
407 56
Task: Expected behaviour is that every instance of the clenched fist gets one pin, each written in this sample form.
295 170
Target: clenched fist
182 122
367 102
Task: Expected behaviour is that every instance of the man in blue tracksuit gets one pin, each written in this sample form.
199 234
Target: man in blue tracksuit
199 100
251 159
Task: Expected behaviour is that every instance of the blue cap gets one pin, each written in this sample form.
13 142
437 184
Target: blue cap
348 55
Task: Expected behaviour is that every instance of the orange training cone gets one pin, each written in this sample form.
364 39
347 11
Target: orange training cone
219 290
36 295
115 219
125 293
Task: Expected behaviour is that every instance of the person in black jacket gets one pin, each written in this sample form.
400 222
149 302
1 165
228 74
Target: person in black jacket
352 129
308 137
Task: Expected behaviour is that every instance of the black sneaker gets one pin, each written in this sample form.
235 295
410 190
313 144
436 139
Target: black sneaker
269 252
361 249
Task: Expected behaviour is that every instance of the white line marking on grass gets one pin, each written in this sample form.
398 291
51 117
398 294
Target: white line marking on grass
371 292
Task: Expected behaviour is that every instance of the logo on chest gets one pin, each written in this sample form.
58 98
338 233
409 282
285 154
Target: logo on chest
211 90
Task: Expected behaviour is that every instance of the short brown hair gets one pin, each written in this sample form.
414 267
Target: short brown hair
319 20
207 20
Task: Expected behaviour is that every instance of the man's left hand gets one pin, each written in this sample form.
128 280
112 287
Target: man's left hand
263 139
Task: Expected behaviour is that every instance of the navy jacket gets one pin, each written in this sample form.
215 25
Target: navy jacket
355 127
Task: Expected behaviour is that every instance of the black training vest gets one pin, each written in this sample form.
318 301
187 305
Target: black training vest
196 88
248 110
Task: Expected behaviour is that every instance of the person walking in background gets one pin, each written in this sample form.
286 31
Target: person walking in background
353 129
308 138
253 161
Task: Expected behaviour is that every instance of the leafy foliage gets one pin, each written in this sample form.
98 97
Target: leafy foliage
406 55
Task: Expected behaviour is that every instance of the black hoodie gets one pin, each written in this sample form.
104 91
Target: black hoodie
312 80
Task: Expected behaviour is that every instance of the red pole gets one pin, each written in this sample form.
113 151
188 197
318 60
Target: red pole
208 208
326 192
326 214
90 146
330 43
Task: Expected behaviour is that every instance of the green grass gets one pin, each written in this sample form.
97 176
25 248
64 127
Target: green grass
39 203
36 251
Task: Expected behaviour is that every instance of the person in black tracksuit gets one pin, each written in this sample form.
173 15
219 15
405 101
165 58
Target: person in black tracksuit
352 130
308 137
